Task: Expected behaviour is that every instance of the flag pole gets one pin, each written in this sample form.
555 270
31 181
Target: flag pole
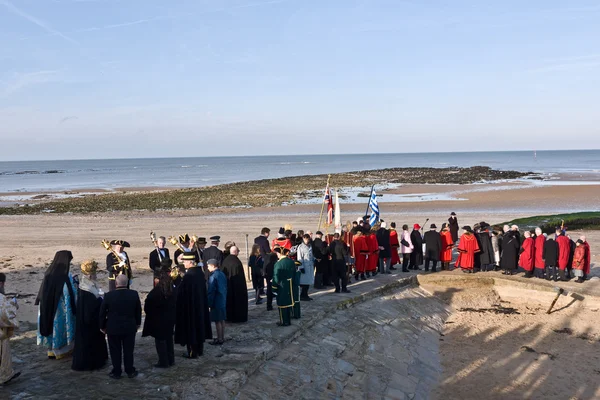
369 202
323 204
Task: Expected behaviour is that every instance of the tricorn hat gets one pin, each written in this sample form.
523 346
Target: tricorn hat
184 238
120 243
189 256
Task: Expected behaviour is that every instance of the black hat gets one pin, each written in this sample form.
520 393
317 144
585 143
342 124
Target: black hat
281 231
119 242
201 240
189 256
432 226
452 213
184 238
484 225
215 238
467 228
579 241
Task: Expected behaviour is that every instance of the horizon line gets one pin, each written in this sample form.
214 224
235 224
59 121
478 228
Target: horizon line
302 155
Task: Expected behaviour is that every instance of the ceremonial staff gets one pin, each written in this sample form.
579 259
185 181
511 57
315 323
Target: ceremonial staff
425 223
323 201
154 241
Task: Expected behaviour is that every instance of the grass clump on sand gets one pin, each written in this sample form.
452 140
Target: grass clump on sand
548 223
261 193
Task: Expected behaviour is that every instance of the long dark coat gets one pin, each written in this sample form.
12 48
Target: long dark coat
90 351
192 324
486 251
383 239
453 227
433 245
510 252
237 290
417 254
160 314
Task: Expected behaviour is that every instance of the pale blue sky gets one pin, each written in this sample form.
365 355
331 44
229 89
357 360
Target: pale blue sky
119 78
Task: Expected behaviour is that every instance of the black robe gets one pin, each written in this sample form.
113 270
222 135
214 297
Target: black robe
550 254
160 314
192 326
510 251
486 251
453 227
90 351
237 291
433 245
417 242
213 252
112 266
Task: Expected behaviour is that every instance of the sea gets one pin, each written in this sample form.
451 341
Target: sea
72 175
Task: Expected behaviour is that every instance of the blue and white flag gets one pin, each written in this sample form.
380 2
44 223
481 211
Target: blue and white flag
374 208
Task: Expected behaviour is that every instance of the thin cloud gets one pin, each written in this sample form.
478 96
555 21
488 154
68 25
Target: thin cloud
22 81
591 61
12 8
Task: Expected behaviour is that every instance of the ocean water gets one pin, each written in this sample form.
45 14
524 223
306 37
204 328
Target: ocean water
34 176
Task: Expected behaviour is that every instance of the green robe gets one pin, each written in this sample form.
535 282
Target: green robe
283 275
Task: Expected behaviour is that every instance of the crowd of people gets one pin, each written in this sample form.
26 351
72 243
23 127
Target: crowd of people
203 284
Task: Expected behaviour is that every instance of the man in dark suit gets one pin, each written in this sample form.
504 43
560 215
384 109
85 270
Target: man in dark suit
157 255
433 247
385 249
263 242
120 318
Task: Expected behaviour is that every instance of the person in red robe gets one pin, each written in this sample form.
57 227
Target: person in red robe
466 250
281 241
361 251
539 263
527 254
564 253
395 244
447 245
373 261
588 260
579 261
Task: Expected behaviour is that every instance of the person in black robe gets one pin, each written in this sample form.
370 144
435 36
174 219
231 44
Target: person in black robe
160 309
453 226
486 251
269 266
321 254
510 253
192 326
433 248
90 351
416 257
237 291
213 252
550 256
51 291
385 249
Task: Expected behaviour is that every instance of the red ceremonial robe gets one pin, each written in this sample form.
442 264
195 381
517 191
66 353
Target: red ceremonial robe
361 249
539 252
579 258
395 246
373 245
466 251
285 243
564 251
586 268
527 254
447 244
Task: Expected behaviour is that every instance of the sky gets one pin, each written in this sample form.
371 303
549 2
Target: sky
154 78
